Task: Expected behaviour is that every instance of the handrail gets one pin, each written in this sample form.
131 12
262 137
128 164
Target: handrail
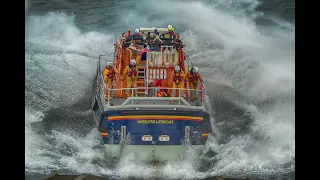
104 88
120 64
106 92
169 106
130 54
153 88
127 104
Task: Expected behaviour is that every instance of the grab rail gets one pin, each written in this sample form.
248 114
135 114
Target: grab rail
105 95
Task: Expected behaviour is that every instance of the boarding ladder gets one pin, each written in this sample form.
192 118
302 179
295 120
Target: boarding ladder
141 79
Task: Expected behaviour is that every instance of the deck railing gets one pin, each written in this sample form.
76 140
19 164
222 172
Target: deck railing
109 97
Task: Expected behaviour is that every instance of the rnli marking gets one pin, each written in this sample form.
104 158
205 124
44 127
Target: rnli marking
155 121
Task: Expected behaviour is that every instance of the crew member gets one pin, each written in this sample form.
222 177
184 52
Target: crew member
171 33
130 73
171 30
177 78
109 74
193 76
136 36
136 32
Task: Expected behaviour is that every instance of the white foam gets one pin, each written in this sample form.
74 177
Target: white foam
60 60
78 153
60 65
38 157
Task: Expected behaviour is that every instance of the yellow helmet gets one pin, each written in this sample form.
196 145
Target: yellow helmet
171 29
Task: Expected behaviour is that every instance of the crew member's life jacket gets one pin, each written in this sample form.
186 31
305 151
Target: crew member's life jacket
111 73
177 78
132 73
137 37
194 78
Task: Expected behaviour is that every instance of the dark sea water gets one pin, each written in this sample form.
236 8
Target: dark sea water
245 50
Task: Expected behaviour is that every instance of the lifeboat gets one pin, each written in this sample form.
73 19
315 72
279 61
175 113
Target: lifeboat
156 128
